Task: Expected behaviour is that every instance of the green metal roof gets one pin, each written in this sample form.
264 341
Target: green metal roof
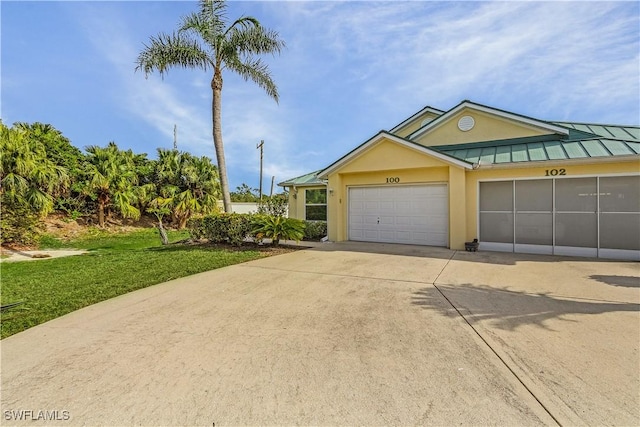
585 140
606 131
497 152
304 180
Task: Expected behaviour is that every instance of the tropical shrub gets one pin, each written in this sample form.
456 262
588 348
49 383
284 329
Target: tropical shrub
315 230
278 227
29 184
221 228
19 224
244 194
27 176
276 205
190 184
112 178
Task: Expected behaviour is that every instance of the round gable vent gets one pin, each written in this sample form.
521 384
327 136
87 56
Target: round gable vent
466 123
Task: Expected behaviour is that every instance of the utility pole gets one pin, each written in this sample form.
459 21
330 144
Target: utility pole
261 147
175 137
272 179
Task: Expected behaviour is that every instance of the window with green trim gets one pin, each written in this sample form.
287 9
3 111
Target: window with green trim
316 204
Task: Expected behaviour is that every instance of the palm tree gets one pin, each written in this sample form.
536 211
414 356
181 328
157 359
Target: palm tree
112 178
206 40
186 185
27 176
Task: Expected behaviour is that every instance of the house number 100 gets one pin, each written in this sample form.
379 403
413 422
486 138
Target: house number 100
393 180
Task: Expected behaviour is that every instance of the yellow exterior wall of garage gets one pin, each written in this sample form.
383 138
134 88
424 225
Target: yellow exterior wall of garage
387 159
463 186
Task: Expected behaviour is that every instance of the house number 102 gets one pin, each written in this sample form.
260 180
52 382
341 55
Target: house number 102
393 180
555 172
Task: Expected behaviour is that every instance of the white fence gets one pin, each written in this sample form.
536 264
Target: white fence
243 207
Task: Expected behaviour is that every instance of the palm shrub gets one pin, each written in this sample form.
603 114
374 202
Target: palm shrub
189 183
112 180
29 184
278 227
19 224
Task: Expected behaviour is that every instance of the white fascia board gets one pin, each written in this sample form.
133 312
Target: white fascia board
504 114
415 116
324 174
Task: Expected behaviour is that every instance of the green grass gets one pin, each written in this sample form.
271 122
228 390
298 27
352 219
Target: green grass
115 265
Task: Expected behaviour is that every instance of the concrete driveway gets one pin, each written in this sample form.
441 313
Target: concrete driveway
357 334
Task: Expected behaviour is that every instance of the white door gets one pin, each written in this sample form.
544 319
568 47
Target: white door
410 214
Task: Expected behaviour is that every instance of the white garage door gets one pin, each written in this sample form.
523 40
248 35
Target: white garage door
410 214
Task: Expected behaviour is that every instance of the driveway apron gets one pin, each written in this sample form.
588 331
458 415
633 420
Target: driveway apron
343 334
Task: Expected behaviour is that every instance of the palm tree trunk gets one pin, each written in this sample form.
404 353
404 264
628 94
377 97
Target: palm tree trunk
163 233
183 223
216 107
100 213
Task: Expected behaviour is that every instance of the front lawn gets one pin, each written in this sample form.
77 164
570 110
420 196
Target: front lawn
116 264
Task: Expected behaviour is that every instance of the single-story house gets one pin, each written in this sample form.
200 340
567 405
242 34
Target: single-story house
515 183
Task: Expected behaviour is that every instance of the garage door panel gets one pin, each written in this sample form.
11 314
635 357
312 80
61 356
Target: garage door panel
403 236
370 234
386 220
437 223
371 206
385 235
438 239
419 206
404 220
357 206
369 220
403 205
400 214
434 208
420 221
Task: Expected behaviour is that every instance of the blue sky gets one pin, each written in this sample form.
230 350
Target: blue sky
350 69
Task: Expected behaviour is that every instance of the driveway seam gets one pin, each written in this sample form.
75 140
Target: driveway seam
544 407
547 410
338 275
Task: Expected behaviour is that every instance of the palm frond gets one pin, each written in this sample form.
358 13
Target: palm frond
258 72
172 50
255 40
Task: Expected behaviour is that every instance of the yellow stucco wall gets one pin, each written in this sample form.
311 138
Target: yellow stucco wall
415 124
388 155
473 177
388 159
487 128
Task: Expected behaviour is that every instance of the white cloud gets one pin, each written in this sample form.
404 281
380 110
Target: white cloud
440 53
352 68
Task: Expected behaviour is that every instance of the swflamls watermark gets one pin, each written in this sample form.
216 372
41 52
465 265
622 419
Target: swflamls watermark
36 415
